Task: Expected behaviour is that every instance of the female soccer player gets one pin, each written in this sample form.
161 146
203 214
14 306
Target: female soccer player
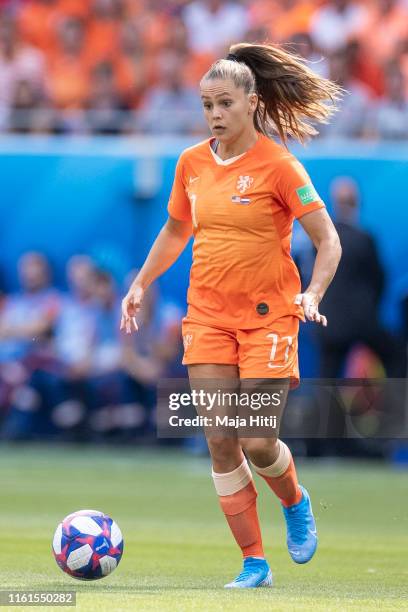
238 193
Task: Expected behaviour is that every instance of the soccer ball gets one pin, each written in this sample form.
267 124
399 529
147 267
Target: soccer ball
87 545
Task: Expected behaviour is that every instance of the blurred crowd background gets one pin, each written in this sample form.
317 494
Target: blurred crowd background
133 66
128 70
66 371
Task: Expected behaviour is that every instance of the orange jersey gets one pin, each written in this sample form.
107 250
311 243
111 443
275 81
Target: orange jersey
242 212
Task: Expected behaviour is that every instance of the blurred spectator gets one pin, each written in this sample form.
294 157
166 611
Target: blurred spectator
26 326
18 62
60 388
364 69
386 27
354 318
171 107
212 24
37 21
350 119
74 330
388 119
134 65
154 20
295 18
26 104
105 355
282 19
68 71
27 318
195 63
336 23
107 108
87 349
102 43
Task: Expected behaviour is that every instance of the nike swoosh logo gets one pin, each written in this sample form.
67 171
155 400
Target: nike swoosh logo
192 179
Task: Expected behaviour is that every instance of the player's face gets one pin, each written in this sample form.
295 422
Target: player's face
228 109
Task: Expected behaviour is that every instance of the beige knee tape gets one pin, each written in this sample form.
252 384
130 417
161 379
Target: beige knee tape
231 482
280 466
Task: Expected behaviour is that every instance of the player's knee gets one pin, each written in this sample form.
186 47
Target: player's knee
261 451
225 452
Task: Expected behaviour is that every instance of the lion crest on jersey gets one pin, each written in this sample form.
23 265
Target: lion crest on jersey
187 340
244 183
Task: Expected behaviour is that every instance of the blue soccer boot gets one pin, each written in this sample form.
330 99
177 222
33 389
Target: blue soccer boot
301 529
255 573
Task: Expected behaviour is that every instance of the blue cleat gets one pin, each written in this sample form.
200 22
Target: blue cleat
301 529
256 573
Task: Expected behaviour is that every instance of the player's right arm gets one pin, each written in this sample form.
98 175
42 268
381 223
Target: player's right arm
166 249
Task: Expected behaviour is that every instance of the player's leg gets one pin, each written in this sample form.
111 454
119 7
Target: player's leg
264 356
233 481
273 461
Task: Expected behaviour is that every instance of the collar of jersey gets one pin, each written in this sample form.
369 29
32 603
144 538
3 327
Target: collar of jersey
224 162
231 160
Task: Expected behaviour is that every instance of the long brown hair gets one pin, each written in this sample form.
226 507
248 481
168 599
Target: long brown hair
291 95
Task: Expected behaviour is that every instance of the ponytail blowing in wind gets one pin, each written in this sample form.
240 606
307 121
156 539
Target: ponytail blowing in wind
291 96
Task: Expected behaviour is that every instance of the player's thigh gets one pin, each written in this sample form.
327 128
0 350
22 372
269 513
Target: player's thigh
267 398
216 388
218 381
212 371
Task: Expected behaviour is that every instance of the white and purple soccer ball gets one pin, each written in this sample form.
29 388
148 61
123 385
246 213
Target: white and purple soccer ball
88 545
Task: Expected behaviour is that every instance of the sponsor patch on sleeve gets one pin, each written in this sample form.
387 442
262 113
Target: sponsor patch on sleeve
307 194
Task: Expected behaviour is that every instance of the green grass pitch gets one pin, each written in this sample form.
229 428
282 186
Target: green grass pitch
178 551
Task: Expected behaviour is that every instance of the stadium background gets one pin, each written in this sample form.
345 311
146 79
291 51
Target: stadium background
97 100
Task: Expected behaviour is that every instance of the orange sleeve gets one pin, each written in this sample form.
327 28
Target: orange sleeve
179 205
296 189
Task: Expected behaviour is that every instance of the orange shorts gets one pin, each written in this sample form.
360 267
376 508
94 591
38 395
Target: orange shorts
265 352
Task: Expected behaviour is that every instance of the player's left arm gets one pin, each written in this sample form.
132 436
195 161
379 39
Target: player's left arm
320 229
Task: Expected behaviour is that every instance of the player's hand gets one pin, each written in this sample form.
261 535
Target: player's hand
310 304
130 307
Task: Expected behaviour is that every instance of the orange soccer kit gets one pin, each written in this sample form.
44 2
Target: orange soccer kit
243 281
